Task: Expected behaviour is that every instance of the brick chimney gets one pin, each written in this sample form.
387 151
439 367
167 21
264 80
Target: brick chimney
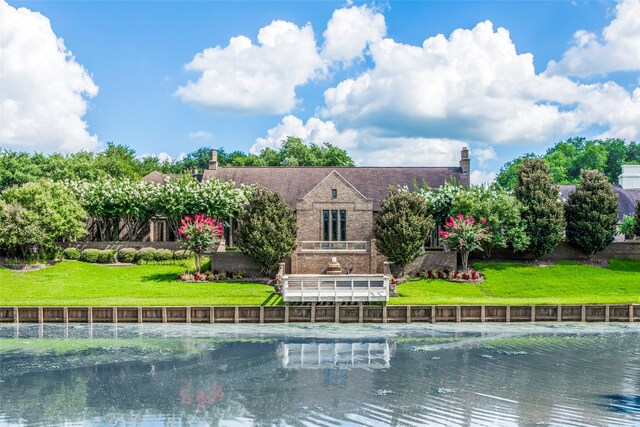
465 162
213 160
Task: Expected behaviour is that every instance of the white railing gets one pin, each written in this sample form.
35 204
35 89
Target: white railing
338 354
321 246
344 288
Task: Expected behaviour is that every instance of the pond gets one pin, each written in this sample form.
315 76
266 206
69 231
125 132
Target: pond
414 375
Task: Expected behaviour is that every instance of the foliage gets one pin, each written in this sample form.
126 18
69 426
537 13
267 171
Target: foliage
636 229
266 229
627 226
502 212
107 256
591 213
147 254
90 255
71 253
37 216
164 255
199 235
127 255
402 227
181 254
464 235
568 158
543 212
439 200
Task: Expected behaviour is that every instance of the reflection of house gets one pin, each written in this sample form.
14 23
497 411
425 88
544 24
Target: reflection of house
335 206
320 355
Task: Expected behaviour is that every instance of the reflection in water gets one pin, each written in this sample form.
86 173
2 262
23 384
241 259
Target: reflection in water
322 374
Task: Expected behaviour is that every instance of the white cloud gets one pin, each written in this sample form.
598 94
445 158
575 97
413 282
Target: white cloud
479 177
618 48
484 155
43 87
474 86
201 135
255 78
363 147
349 32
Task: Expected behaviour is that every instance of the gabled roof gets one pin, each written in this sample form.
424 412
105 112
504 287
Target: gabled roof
627 199
293 183
341 178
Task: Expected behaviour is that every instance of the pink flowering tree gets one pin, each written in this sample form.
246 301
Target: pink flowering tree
463 234
199 234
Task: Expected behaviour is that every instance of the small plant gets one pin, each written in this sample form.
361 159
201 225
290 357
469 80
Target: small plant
107 256
147 254
181 254
200 233
164 255
71 253
627 227
90 255
127 255
462 234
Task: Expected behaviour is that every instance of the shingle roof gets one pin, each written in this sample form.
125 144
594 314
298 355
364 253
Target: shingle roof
293 183
627 199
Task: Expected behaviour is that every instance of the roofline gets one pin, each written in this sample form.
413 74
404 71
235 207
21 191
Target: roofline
342 178
334 167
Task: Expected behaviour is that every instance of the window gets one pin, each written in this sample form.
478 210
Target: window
325 225
343 225
334 193
334 225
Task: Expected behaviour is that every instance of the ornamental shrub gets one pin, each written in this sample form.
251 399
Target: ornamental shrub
543 212
627 227
164 255
127 255
147 254
71 253
90 255
181 254
199 235
107 256
592 213
636 229
402 227
463 234
266 229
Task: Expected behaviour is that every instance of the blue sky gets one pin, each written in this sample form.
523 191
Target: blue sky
369 86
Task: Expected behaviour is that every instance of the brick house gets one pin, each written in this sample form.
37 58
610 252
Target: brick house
335 206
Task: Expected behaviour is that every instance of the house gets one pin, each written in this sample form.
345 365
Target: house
335 207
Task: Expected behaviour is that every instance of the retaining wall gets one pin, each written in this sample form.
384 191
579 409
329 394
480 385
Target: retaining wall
564 251
312 313
174 246
235 262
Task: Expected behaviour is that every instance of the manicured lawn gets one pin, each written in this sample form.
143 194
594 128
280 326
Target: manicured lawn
512 284
72 283
77 284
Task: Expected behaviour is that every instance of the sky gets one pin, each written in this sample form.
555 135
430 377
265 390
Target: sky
394 83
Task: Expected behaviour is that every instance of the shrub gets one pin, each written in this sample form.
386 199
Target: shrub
107 256
147 254
90 255
591 213
463 234
127 255
181 254
636 229
627 227
71 253
164 255
200 233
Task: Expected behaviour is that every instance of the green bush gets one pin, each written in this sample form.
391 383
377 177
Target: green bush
127 255
164 255
107 256
90 255
181 254
71 253
147 254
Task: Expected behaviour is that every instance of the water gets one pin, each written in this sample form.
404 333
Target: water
327 375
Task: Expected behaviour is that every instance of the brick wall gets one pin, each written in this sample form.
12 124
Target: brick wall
430 260
236 262
174 246
564 251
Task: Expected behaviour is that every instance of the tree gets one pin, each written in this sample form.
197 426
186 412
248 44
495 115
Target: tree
543 212
591 213
403 226
636 229
266 229
508 175
464 235
43 213
199 234
501 211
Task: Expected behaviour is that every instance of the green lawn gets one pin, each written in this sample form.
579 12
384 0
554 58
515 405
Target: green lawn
72 283
513 283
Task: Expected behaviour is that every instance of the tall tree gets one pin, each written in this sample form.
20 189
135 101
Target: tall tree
403 226
543 212
591 213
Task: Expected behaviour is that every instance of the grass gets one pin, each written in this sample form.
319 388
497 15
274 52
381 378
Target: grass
512 283
72 283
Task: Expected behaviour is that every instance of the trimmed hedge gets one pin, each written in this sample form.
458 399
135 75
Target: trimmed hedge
90 255
147 254
181 254
107 256
164 255
71 253
127 255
